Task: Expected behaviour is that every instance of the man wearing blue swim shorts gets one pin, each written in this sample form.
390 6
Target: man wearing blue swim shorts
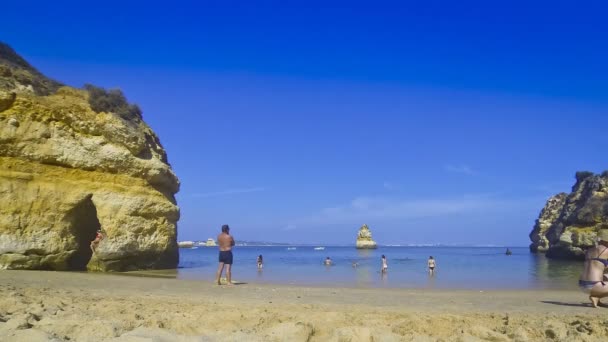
225 242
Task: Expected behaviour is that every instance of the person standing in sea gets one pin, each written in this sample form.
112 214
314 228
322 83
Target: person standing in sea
592 281
384 264
225 242
431 264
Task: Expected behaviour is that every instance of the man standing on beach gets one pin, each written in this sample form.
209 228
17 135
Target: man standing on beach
225 242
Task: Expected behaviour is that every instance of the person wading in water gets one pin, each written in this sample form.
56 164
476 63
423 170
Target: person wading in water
431 264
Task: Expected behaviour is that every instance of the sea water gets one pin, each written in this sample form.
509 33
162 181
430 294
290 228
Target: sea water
457 267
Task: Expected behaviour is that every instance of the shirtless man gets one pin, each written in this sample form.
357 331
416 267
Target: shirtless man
592 280
225 242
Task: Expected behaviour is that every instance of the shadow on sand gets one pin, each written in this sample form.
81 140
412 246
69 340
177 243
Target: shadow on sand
234 282
582 305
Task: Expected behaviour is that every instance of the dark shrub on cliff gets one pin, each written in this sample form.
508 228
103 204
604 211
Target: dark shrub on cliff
112 101
582 175
605 174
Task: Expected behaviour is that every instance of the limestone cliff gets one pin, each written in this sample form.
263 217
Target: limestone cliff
569 223
364 238
67 169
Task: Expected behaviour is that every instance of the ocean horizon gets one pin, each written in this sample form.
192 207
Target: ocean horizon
320 244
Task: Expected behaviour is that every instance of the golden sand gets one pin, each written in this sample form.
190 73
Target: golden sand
55 306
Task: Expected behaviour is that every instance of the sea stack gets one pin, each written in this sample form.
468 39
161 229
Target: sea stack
364 238
75 161
569 223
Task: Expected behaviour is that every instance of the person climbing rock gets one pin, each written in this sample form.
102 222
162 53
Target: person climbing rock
95 243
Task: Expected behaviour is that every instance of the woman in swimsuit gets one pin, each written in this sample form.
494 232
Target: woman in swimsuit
384 264
431 264
592 280
260 262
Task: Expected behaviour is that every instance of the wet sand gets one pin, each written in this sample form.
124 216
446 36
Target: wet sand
56 306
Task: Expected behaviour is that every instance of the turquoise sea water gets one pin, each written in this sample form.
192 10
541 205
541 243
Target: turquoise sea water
457 267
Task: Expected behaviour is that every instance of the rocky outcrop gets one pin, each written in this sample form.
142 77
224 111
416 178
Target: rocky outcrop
547 218
364 238
569 223
67 170
16 73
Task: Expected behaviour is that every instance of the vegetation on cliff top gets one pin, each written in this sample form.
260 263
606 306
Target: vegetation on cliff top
581 175
112 101
16 73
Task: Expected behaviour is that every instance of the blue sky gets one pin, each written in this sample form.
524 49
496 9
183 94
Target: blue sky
431 122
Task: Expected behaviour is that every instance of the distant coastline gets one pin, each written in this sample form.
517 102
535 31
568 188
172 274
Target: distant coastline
292 244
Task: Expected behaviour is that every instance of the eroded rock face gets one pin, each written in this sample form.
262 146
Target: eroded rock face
364 238
66 171
546 220
569 223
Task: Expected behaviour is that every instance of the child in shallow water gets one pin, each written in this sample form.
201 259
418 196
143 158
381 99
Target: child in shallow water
384 264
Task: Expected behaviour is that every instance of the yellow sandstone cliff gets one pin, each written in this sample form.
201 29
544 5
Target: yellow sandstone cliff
67 170
569 223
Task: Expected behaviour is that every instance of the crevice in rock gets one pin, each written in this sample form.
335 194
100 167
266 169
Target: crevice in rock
84 227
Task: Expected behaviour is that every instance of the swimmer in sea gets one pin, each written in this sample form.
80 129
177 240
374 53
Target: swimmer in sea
260 262
592 280
327 262
431 264
384 264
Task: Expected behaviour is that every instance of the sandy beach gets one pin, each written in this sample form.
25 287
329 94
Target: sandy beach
56 306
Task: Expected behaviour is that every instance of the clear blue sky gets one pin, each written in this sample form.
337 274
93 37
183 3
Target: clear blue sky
432 123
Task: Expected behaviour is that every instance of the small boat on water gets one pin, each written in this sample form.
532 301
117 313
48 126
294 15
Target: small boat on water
319 248
291 248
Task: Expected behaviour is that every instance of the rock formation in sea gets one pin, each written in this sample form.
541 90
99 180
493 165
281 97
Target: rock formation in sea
568 224
73 161
364 238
